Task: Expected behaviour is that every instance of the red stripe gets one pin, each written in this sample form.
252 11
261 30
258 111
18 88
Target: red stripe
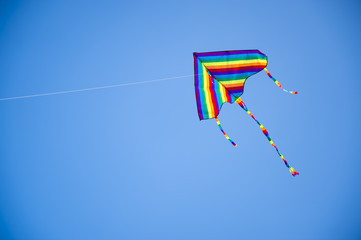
235 67
213 96
234 88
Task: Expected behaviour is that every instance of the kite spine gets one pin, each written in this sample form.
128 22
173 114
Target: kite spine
265 132
220 127
278 84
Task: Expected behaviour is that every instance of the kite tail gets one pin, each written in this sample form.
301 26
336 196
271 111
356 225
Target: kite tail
278 84
220 127
291 169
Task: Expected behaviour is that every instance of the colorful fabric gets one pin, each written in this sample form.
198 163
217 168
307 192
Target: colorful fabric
220 77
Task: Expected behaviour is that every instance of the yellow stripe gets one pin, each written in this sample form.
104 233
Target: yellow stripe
241 62
232 82
223 94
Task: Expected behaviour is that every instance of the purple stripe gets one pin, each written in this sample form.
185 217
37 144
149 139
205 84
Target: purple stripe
227 53
236 91
196 82
251 71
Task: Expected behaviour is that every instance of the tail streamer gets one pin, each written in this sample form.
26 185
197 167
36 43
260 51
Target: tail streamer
220 127
243 105
278 84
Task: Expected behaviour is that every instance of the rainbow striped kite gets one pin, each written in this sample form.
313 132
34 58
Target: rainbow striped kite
220 77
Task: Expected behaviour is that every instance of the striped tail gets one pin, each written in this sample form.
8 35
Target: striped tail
291 169
278 84
220 127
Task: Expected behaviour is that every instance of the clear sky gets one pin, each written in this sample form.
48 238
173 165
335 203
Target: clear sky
135 162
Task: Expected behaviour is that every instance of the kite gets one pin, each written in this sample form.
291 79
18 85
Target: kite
220 76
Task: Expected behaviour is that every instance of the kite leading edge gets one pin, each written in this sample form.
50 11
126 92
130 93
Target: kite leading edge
220 77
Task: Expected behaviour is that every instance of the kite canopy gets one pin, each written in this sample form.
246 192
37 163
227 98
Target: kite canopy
220 77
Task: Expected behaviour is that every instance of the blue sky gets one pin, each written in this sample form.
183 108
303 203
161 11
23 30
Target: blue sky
135 162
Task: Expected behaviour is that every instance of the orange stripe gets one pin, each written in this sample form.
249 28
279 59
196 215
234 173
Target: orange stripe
210 106
232 84
225 96
213 100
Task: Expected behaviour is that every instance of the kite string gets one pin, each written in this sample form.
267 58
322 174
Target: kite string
265 132
94 88
277 82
